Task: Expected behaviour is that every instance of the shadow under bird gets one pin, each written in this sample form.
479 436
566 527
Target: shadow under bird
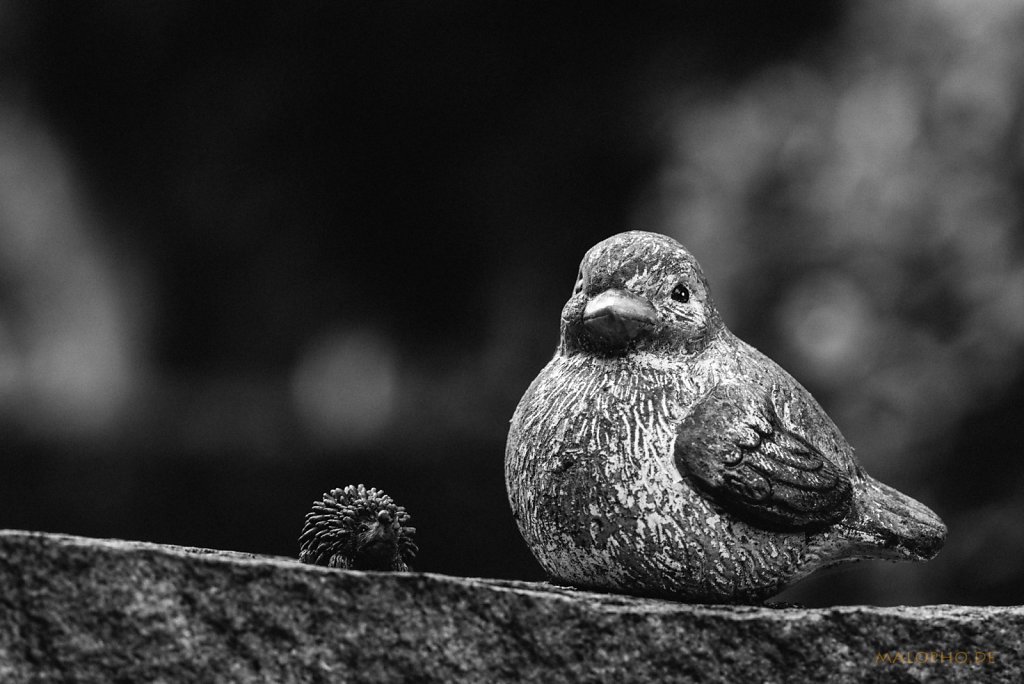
658 454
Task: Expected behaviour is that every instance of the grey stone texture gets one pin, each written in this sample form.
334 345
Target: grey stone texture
88 610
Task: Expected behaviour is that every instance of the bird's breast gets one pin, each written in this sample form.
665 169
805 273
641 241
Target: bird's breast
592 480
592 438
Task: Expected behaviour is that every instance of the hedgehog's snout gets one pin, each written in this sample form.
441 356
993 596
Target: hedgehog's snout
383 529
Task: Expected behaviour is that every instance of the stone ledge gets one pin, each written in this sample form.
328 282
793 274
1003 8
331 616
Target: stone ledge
77 609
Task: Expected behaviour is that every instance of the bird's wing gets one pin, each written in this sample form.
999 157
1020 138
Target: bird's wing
736 450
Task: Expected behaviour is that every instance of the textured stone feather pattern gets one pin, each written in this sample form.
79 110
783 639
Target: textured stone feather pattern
660 455
734 447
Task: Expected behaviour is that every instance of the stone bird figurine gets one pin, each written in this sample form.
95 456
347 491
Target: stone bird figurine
359 529
658 454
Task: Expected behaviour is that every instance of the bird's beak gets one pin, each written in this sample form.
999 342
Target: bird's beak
615 317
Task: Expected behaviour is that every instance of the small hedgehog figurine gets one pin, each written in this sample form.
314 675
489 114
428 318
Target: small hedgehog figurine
359 529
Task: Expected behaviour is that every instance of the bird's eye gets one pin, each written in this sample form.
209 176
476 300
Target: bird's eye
680 293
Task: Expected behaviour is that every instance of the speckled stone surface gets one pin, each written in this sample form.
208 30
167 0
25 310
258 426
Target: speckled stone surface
87 610
658 454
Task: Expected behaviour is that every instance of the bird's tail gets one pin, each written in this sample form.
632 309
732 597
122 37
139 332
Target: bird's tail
890 525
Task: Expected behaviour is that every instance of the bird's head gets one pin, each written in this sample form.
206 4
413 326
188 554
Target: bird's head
639 291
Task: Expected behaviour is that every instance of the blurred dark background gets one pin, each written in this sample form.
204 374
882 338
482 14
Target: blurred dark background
250 252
